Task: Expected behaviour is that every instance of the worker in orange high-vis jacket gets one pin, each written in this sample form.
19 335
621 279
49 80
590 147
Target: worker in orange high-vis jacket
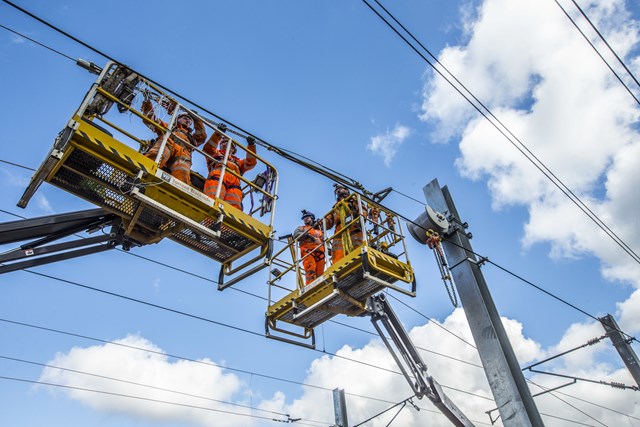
176 154
342 213
309 237
216 147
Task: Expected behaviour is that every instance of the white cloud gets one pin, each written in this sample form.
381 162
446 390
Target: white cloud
369 390
150 368
358 380
527 63
386 145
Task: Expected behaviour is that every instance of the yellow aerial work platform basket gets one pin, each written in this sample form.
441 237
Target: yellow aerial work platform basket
375 259
91 160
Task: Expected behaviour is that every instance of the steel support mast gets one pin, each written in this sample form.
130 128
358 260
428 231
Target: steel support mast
508 385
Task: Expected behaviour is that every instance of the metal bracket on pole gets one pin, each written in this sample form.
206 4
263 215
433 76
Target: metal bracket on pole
621 344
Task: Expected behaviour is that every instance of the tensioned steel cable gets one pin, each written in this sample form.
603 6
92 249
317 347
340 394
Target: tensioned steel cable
355 184
629 72
598 52
567 403
120 380
504 269
17 165
189 273
146 399
402 402
260 334
203 362
37 42
227 325
520 146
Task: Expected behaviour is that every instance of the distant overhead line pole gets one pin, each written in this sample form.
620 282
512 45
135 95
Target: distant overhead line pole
623 346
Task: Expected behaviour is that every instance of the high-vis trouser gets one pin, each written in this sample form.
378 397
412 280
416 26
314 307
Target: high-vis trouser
175 157
230 190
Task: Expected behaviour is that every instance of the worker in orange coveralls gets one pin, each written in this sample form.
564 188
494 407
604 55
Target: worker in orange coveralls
216 147
309 238
342 213
176 154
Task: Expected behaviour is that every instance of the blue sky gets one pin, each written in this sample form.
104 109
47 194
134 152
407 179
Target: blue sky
330 81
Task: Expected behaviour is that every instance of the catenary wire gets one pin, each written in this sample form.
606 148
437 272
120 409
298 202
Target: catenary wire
355 184
17 165
595 404
15 359
236 328
606 43
261 297
347 325
206 363
520 146
604 40
462 391
69 57
405 304
290 154
37 42
146 399
240 329
77 40
265 299
567 403
402 402
598 52
486 258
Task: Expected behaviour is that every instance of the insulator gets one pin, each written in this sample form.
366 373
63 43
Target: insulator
593 341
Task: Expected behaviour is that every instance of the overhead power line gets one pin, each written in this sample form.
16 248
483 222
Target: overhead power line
120 380
206 279
501 128
37 42
355 184
273 148
598 52
604 40
227 325
146 399
408 220
202 362
408 307
290 155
